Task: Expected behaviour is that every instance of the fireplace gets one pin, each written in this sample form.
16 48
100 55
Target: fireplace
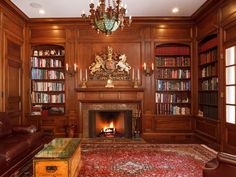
110 123
89 109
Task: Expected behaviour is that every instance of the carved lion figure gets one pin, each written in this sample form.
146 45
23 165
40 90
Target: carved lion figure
97 65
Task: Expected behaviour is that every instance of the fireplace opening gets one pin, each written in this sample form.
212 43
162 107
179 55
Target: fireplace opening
110 124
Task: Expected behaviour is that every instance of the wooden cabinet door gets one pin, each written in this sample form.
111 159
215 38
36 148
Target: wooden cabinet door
13 79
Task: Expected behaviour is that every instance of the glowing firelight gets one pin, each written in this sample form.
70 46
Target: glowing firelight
109 128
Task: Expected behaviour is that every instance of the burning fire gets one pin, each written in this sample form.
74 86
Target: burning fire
110 128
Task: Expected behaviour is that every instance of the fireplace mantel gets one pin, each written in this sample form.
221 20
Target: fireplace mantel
110 94
109 89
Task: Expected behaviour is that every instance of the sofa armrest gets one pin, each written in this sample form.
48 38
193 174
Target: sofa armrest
211 165
24 129
223 165
227 158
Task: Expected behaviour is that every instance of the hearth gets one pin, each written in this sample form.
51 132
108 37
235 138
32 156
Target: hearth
110 123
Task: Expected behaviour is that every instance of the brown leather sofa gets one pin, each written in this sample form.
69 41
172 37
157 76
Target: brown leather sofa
17 145
224 165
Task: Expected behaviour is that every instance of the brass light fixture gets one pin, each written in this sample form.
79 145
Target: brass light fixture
107 19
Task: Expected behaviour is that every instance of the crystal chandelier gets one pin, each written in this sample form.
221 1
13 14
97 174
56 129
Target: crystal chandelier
107 20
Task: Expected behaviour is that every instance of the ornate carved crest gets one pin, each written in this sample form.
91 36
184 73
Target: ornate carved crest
109 65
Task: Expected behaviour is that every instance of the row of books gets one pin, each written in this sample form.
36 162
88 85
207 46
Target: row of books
208 57
49 52
208 98
210 70
163 85
172 50
172 61
47 98
209 111
43 110
170 109
210 84
209 45
48 86
46 63
173 73
172 98
46 74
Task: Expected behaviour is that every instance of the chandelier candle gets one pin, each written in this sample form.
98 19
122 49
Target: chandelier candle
107 19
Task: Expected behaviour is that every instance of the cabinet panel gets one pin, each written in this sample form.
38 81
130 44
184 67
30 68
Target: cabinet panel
44 34
128 96
14 80
172 32
228 10
231 134
174 124
14 71
207 128
207 25
230 34
11 24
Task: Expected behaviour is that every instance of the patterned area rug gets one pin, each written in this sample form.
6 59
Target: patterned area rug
143 160
138 160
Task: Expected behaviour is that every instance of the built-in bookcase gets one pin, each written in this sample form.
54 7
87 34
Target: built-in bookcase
173 79
208 78
48 80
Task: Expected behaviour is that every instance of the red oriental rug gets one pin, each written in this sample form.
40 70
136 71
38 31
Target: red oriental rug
143 160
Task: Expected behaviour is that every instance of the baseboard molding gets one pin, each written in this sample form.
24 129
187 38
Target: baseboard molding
199 138
168 137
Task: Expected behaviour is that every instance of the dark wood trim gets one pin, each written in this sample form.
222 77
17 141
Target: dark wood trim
109 89
135 20
110 101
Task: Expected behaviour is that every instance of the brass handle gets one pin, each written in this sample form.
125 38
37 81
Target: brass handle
51 169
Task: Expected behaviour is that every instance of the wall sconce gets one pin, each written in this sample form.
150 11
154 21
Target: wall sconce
71 70
148 70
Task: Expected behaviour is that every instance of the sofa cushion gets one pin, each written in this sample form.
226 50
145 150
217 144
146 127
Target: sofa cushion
33 139
24 129
13 146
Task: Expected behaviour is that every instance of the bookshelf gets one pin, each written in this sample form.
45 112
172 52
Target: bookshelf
208 78
173 79
47 80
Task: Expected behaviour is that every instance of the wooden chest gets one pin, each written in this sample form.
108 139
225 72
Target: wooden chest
60 158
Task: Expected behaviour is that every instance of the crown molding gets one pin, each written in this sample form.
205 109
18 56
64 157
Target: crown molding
13 8
206 9
135 20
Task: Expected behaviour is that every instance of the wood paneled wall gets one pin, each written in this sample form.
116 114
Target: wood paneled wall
137 42
12 47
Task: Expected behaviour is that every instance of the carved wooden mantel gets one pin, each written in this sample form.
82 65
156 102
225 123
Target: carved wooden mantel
110 94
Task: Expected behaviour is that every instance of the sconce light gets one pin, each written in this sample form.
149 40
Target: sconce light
71 70
147 69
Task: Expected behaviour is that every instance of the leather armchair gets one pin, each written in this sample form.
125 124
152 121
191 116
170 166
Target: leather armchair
223 165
